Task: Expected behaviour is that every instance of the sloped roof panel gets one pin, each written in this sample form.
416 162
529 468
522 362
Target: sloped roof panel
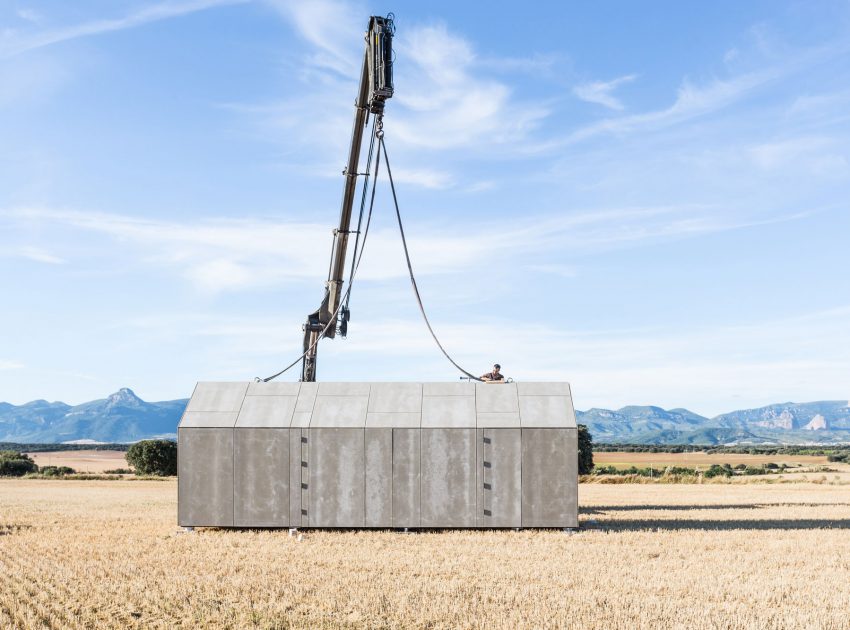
386 405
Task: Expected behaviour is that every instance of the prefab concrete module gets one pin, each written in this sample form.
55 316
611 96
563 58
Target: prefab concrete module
382 455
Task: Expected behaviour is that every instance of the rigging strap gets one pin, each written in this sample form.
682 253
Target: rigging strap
410 266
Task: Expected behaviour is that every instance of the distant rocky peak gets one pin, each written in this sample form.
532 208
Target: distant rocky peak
124 397
818 423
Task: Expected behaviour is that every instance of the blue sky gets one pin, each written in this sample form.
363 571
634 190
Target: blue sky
649 200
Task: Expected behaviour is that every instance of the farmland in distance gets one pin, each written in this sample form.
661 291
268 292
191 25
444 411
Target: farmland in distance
701 459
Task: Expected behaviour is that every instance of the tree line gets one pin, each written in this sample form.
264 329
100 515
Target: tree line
741 449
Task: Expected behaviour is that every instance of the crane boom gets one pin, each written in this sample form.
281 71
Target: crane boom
376 86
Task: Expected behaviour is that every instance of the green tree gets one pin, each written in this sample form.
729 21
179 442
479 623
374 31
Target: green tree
153 457
16 464
716 470
56 471
585 451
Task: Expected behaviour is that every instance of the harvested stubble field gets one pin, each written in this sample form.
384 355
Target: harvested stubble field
83 554
84 461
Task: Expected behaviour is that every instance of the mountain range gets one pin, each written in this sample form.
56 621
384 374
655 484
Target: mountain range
124 417
121 417
784 423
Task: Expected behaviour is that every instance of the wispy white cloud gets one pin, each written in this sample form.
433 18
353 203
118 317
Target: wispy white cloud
446 96
698 99
327 26
817 155
691 101
601 92
30 15
448 103
14 43
38 254
230 254
6 364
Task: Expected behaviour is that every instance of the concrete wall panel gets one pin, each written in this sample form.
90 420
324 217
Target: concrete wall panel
261 477
379 478
448 484
396 397
549 481
337 477
273 388
306 512
266 411
208 419
448 389
344 389
448 412
405 484
306 397
498 420
546 412
205 477
543 389
496 398
300 419
339 411
295 479
217 397
500 471
379 420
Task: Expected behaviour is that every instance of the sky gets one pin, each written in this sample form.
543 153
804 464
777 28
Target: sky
648 200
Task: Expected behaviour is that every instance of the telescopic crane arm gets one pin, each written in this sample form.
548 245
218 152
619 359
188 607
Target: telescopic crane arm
376 86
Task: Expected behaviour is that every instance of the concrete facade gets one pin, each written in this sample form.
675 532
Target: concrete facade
381 455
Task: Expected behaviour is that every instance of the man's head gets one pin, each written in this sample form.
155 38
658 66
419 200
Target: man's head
496 368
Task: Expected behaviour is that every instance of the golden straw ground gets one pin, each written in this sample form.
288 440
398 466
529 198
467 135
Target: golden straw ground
84 554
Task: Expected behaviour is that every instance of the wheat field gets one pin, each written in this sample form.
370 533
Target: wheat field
108 554
83 461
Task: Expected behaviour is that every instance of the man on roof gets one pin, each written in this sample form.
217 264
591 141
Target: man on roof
495 375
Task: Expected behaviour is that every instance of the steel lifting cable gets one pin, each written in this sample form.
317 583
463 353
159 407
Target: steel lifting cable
377 132
377 126
410 266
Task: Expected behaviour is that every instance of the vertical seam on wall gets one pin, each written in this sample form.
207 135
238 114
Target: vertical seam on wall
365 467
233 456
419 463
521 466
365 463
521 453
478 508
309 446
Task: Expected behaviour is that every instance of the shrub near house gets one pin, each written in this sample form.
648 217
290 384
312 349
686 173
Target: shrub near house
153 457
16 464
